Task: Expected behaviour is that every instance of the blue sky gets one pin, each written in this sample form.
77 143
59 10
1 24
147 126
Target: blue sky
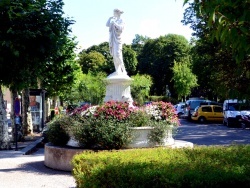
152 18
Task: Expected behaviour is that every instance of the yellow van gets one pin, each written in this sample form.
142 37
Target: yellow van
208 113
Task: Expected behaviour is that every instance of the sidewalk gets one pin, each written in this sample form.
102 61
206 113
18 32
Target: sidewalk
25 167
28 145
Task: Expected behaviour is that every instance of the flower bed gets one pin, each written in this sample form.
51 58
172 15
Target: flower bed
108 126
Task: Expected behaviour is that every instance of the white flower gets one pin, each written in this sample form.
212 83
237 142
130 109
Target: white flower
90 110
154 111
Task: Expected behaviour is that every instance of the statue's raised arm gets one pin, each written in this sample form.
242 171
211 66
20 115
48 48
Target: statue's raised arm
116 26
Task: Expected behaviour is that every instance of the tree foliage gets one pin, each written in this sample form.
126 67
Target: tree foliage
184 79
138 43
107 66
140 88
130 60
214 59
103 48
59 74
34 40
92 62
229 23
218 73
87 88
157 59
32 34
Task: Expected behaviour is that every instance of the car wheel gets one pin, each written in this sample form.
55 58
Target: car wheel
189 116
228 124
202 119
224 122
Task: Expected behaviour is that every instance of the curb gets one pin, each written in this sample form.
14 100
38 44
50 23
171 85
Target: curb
31 147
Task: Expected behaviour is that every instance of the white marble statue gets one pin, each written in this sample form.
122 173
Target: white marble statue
116 26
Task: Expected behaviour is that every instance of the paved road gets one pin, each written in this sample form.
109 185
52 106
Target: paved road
211 134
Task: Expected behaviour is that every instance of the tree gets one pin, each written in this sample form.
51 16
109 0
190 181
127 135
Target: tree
229 23
213 61
103 48
130 60
32 34
4 136
157 59
184 79
218 73
140 88
92 62
59 75
87 87
138 43
98 64
32 37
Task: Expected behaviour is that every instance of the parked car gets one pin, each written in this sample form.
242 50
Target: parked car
208 113
191 104
233 112
244 119
180 109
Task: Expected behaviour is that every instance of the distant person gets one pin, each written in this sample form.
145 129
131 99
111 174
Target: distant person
56 110
116 26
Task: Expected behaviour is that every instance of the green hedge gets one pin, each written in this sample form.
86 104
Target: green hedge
163 98
164 167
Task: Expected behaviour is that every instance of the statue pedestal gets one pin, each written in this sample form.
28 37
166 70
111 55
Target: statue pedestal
118 88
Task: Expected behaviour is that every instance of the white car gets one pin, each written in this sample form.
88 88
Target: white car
180 109
233 109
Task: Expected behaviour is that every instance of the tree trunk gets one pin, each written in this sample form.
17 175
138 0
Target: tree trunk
27 123
4 136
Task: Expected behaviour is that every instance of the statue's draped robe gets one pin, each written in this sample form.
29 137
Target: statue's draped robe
115 44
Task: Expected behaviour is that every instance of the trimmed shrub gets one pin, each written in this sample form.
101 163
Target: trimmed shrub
161 167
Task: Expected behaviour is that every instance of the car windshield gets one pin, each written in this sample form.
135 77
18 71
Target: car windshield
238 106
193 103
196 109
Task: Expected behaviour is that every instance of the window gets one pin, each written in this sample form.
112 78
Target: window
217 109
194 104
206 109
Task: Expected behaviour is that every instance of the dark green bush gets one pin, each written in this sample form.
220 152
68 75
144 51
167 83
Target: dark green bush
162 167
56 132
139 118
155 98
163 98
100 133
